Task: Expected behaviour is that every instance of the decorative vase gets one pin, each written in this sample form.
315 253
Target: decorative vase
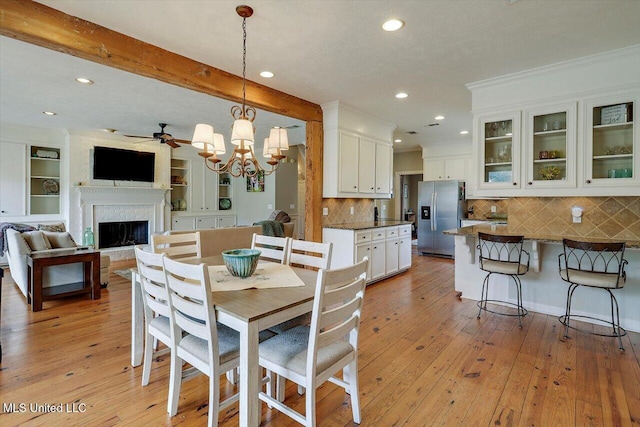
87 238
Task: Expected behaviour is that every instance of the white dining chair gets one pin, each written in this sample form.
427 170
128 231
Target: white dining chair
311 355
197 338
271 248
303 254
307 254
155 307
177 246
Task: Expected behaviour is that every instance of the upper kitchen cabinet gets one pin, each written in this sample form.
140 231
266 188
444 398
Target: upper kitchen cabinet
611 157
550 146
358 154
578 135
499 151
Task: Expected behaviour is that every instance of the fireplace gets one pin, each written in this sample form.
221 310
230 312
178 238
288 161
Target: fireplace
122 233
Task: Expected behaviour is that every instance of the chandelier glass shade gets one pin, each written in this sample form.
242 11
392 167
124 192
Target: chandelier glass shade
242 162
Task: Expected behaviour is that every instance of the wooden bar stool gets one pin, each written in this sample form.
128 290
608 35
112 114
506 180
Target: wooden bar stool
596 265
502 255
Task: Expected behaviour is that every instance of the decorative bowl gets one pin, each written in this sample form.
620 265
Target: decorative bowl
241 262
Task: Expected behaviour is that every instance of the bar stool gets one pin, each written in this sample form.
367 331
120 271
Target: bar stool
502 255
596 265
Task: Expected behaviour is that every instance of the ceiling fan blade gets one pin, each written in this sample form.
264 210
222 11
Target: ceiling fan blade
172 144
182 141
139 136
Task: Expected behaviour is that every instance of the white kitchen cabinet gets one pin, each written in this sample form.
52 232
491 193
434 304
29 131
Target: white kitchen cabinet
388 248
13 172
226 221
366 166
363 167
612 156
187 222
445 169
348 161
392 252
384 168
183 223
550 146
404 252
499 151
195 188
206 222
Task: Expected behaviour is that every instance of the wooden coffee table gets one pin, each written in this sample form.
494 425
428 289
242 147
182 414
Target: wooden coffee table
37 262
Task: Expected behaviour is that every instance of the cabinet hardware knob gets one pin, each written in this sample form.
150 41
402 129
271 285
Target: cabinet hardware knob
515 183
355 186
372 188
530 183
588 181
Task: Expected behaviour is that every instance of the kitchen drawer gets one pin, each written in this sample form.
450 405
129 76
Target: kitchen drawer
363 236
392 232
405 230
378 234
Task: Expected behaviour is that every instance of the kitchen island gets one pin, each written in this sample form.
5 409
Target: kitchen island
387 243
542 288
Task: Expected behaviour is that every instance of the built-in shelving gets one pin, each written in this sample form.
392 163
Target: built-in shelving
44 189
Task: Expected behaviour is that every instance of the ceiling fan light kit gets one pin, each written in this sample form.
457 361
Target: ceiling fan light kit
242 162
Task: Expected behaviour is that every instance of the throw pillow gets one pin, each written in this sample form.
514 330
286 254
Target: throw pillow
60 240
36 240
59 227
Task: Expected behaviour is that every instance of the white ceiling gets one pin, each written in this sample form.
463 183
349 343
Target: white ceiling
320 50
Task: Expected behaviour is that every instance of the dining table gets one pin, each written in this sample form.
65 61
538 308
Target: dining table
248 311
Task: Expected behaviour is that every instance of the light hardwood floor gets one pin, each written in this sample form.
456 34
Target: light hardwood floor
424 360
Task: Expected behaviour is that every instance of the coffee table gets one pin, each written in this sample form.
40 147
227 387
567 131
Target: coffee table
90 284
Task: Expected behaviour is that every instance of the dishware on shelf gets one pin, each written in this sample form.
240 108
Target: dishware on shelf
50 187
556 125
546 127
544 155
549 173
224 204
241 262
553 154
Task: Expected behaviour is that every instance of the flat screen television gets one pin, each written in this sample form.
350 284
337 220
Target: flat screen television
123 165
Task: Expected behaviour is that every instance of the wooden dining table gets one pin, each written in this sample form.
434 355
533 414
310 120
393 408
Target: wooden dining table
247 311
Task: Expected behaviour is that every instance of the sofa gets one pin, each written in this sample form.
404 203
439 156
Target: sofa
19 245
214 241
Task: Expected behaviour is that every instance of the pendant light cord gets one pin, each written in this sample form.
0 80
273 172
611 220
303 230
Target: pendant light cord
244 63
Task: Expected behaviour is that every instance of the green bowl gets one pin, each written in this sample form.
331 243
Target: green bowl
241 262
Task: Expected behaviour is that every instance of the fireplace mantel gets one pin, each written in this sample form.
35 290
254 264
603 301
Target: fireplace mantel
123 194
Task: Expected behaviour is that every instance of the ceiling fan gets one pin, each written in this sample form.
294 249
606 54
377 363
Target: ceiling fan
163 137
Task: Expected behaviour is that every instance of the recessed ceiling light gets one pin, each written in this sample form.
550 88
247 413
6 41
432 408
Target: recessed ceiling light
439 117
464 132
49 113
84 81
397 140
266 74
401 95
393 25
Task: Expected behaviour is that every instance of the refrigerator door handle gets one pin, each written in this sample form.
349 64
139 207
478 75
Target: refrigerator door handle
434 197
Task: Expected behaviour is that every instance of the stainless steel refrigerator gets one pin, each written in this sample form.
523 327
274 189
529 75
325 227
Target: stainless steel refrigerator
442 205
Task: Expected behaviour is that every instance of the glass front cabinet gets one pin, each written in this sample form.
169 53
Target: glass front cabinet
550 153
499 150
611 156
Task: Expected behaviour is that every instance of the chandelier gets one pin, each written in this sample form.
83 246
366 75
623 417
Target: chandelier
243 161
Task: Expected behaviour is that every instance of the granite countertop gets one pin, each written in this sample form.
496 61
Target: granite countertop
367 224
550 238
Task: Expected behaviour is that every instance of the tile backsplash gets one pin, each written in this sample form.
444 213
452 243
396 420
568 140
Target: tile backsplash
339 210
612 217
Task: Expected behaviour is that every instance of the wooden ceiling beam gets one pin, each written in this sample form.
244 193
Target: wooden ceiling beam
41 25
